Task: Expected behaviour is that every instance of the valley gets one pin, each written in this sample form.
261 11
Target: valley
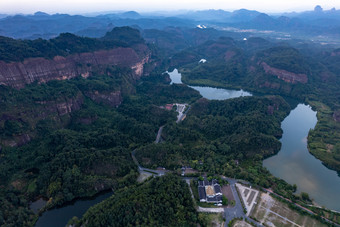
116 126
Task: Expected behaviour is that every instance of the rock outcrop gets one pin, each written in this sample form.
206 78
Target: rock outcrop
288 77
18 74
336 116
55 110
113 99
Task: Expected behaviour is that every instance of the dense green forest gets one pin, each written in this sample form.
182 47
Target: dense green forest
162 201
64 140
240 129
84 151
242 69
229 137
66 44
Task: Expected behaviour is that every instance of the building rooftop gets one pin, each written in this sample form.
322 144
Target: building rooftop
206 182
201 192
209 190
217 188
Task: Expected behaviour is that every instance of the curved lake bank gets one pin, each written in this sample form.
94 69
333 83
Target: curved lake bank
297 166
293 163
209 92
60 216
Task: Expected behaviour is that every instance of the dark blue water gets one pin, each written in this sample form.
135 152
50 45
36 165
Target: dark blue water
60 216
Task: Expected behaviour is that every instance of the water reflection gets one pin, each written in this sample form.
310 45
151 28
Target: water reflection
297 166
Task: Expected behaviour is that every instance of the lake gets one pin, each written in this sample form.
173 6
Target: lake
209 92
293 163
59 217
297 166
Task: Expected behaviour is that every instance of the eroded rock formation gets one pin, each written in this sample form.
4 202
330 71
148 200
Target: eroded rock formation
288 77
112 99
18 74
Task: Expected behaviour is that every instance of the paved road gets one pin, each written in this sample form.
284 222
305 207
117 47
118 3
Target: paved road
159 134
237 210
142 169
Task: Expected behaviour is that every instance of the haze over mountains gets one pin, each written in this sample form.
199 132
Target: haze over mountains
83 98
316 24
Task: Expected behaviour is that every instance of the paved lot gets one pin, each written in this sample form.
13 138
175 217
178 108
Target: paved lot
273 212
248 196
242 224
226 191
237 210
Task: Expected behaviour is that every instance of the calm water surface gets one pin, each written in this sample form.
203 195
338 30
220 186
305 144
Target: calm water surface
293 163
209 92
60 216
297 166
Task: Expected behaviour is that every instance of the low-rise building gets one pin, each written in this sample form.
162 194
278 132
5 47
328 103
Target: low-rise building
210 191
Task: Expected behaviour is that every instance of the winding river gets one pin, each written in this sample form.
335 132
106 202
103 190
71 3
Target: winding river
293 163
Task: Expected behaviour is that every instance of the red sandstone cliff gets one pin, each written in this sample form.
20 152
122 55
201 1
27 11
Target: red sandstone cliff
58 110
18 74
289 77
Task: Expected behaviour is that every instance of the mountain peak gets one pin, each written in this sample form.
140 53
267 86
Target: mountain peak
39 13
318 9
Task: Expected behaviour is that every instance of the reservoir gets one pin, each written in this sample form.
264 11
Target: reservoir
60 216
297 166
209 92
293 163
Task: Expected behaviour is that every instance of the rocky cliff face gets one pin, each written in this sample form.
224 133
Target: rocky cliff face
18 74
288 77
56 110
113 99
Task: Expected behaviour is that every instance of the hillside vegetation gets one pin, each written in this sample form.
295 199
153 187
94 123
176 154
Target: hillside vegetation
162 201
66 44
305 73
83 152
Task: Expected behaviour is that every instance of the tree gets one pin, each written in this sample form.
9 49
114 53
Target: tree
305 196
224 200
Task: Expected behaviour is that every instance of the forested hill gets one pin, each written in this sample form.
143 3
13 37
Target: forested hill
68 139
308 73
66 44
163 201
68 56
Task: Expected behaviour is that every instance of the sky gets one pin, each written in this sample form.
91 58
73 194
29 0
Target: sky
88 6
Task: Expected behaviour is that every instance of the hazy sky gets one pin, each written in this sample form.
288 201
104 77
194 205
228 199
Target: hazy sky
83 6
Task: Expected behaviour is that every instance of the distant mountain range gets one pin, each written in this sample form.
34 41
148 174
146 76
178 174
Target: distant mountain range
315 23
